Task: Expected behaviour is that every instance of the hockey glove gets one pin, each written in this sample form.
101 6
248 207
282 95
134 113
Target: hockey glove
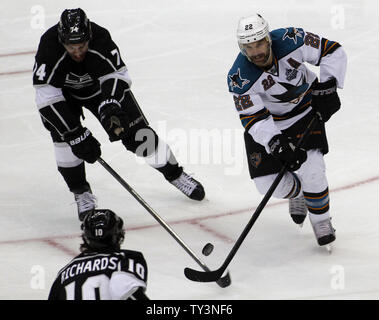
83 144
283 149
325 99
114 119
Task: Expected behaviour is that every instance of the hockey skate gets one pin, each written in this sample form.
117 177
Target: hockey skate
325 233
86 203
189 186
298 209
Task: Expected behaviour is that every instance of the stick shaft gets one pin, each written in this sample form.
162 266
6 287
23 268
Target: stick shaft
152 212
214 275
266 198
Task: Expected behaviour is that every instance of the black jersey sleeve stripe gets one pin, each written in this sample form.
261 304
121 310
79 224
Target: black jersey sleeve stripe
249 120
139 295
52 125
303 105
115 84
123 94
56 114
327 47
114 88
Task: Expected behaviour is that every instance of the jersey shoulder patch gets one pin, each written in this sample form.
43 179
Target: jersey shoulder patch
286 40
242 75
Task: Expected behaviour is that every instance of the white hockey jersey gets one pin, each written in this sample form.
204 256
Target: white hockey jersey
273 100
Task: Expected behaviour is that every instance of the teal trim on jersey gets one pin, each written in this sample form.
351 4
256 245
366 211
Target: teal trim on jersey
328 44
304 104
327 47
242 75
248 120
286 40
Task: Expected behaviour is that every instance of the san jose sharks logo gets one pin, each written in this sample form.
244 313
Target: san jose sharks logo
237 81
292 33
293 93
255 159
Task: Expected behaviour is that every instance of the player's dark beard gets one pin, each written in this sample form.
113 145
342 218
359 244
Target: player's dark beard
266 60
78 59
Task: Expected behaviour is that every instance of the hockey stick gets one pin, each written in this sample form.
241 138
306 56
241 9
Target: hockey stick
207 276
221 281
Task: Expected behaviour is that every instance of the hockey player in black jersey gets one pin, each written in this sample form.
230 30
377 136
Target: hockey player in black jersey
78 65
102 271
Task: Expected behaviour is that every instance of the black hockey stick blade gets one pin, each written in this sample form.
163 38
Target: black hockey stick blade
225 281
205 276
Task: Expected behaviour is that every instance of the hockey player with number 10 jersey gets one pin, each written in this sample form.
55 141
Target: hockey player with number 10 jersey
276 96
102 271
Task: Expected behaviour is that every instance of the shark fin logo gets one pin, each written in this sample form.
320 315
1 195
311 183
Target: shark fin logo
292 33
237 81
293 93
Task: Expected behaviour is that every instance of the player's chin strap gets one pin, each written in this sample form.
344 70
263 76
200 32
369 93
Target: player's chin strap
209 276
221 281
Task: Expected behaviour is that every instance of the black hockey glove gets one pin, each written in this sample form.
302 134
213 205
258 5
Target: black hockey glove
283 149
325 99
114 119
83 144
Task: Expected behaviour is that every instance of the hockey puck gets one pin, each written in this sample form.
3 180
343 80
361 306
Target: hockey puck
208 248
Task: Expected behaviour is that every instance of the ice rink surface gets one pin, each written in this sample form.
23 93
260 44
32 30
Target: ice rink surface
178 54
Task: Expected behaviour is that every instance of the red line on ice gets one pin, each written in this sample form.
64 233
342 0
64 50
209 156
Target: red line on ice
11 54
52 241
9 73
61 247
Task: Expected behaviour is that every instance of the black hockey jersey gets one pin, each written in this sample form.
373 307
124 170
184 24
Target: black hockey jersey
101 276
56 75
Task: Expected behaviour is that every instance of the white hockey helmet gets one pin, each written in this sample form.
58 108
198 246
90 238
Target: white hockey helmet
251 29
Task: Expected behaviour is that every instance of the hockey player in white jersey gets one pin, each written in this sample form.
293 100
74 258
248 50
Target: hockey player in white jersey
276 96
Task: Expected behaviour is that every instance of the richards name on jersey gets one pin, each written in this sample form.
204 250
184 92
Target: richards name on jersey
97 264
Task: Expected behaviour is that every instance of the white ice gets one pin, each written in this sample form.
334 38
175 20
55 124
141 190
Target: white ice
178 54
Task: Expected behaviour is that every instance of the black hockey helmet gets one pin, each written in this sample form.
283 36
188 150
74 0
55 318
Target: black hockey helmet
102 228
74 27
